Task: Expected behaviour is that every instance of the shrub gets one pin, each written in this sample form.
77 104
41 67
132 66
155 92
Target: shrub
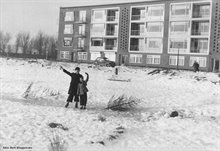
122 103
57 144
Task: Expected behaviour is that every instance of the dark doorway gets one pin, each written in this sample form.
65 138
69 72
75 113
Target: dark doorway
217 65
124 59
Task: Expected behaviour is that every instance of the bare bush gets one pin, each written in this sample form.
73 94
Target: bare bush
57 144
4 41
122 103
23 41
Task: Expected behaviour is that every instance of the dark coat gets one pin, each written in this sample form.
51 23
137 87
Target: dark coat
74 82
196 66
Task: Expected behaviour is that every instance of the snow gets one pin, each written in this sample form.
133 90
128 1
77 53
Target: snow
33 94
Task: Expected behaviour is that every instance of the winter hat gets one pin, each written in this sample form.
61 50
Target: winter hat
77 68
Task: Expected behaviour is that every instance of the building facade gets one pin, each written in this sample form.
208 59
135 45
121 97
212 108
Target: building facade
153 33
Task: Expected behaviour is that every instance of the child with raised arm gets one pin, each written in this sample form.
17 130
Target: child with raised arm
75 76
82 91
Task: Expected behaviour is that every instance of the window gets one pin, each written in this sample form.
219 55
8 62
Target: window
82 16
179 27
81 42
153 59
110 56
98 29
180 44
180 10
98 42
154 27
173 60
68 29
69 16
199 45
98 15
82 29
200 60
95 55
64 55
154 45
67 41
135 58
82 55
155 12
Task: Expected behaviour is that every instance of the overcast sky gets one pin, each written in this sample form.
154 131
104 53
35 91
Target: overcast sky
35 15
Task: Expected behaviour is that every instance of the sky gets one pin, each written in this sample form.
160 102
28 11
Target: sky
35 15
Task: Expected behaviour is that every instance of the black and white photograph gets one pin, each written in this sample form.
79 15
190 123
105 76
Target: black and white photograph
109 75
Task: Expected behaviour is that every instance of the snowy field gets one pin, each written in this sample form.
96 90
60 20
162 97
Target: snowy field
33 95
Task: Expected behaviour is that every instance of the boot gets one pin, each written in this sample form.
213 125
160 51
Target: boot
67 104
84 107
81 107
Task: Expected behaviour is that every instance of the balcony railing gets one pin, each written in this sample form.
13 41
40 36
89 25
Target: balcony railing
111 18
137 32
197 32
137 17
97 34
198 50
82 34
134 47
80 47
82 20
201 14
111 33
110 47
96 48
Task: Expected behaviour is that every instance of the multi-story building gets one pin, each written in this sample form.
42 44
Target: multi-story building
154 33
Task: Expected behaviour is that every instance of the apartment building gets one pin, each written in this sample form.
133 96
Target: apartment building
153 33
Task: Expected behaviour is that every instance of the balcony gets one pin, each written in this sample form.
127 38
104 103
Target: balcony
200 28
199 45
110 47
201 10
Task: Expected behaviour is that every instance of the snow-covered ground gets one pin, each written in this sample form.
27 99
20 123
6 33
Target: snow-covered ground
33 95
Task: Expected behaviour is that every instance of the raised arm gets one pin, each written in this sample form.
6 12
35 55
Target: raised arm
64 70
87 78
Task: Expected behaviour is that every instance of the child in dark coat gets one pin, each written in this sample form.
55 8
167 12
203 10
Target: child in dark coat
196 66
82 91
